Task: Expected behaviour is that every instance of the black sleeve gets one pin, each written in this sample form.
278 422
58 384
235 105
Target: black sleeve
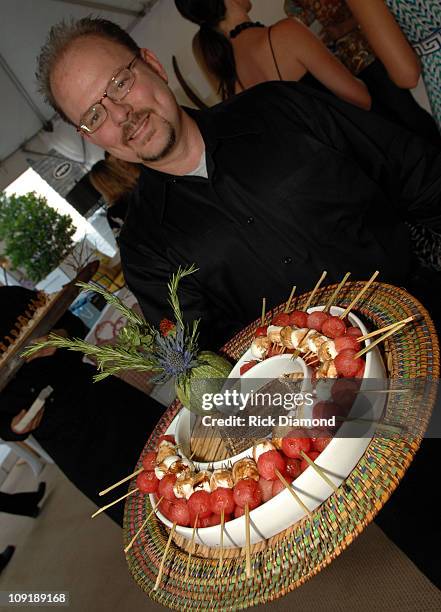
147 275
407 168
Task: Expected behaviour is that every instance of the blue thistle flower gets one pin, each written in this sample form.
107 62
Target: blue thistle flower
173 355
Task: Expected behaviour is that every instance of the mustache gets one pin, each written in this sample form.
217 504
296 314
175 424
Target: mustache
133 123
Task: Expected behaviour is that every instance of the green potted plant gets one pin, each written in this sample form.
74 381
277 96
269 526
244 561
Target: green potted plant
36 237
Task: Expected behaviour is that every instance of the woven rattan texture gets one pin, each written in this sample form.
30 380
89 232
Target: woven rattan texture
297 554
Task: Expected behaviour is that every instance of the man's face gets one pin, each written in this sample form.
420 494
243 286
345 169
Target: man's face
145 125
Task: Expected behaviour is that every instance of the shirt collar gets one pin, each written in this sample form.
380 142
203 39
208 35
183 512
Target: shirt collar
215 123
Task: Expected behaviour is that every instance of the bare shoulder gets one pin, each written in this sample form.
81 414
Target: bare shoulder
288 27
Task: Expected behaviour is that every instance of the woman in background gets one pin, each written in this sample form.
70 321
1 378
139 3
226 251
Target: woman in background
421 23
115 179
388 80
237 53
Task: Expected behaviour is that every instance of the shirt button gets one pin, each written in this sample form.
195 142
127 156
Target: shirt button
250 220
287 260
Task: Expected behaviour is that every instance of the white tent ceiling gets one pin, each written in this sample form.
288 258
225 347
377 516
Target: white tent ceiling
24 25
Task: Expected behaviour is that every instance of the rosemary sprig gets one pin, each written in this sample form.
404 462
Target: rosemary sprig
114 301
172 287
110 359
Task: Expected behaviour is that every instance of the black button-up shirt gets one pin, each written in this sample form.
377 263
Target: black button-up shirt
298 182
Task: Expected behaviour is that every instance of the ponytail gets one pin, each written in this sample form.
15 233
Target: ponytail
218 56
216 49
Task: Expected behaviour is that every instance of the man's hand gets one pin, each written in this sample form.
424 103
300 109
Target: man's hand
48 351
31 426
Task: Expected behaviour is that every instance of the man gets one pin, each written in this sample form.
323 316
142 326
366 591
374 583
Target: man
262 192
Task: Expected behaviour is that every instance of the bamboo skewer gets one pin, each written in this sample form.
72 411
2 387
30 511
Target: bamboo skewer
314 291
298 350
360 294
384 329
114 502
221 552
161 567
336 292
293 493
319 470
122 481
187 571
291 295
132 541
380 339
262 319
247 543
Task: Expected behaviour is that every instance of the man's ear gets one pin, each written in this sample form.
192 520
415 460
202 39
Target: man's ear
152 61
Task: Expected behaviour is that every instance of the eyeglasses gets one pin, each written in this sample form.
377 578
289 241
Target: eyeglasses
117 89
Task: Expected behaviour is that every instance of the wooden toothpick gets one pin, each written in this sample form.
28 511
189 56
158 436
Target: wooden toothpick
155 507
161 567
377 332
336 292
293 493
114 502
291 295
378 340
192 547
314 291
247 543
359 295
319 470
122 481
262 319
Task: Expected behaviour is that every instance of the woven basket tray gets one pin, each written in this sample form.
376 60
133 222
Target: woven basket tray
295 555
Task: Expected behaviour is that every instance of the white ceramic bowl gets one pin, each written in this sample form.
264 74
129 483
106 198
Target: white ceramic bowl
337 460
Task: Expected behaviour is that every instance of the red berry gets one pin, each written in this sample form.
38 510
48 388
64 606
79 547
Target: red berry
247 492
304 464
167 437
333 327
269 462
199 503
298 318
165 487
205 521
266 489
292 446
165 507
279 486
147 482
282 319
346 364
325 410
354 331
247 366
261 331
149 461
360 372
292 469
239 511
316 320
319 444
180 513
344 392
222 499
215 519
346 342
